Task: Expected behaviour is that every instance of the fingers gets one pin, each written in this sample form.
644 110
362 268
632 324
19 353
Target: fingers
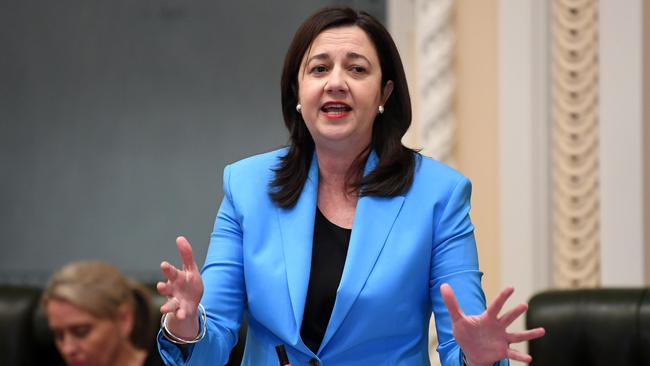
181 314
171 305
513 314
495 307
513 354
164 289
450 301
185 250
525 335
169 270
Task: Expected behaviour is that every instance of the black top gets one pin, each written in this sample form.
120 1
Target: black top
329 250
153 359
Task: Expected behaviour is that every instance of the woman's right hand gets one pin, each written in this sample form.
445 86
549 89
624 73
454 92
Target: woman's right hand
183 289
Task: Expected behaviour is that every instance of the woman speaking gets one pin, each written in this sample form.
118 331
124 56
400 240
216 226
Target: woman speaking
341 245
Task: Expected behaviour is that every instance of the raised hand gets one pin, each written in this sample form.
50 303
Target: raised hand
483 338
183 289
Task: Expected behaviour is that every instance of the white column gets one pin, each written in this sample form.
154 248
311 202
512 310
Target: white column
434 45
400 20
524 123
621 142
423 32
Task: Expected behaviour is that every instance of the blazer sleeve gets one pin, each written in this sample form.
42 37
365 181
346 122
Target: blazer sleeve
454 260
224 291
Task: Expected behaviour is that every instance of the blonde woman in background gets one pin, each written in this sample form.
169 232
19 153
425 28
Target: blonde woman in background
99 317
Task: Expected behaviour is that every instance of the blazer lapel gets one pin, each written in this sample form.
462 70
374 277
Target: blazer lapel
373 221
297 230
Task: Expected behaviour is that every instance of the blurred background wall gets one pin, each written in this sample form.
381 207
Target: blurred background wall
117 118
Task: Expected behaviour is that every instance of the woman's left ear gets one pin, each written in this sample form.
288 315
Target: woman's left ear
125 320
388 89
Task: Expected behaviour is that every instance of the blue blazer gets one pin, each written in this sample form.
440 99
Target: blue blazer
401 250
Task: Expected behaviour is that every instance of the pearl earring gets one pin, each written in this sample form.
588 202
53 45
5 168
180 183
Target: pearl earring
381 109
298 107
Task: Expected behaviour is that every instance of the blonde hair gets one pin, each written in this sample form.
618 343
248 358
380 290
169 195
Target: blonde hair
100 289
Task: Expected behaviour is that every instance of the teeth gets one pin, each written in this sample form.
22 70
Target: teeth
335 108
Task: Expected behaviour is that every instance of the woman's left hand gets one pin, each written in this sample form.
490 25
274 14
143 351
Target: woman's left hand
483 338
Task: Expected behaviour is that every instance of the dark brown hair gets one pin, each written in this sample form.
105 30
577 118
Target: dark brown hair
393 173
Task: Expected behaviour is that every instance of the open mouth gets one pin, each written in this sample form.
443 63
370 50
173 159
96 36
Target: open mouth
335 110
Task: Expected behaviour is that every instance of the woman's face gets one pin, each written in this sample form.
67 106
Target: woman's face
339 85
83 339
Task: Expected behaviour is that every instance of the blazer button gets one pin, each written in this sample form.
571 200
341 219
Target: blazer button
314 362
